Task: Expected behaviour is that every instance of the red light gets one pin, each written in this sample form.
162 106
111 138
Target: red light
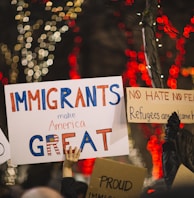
127 52
1 75
129 2
148 82
181 125
164 19
142 67
76 29
71 23
133 83
144 77
5 81
185 72
78 39
192 20
149 191
141 56
86 166
121 25
172 83
134 65
169 54
159 20
72 59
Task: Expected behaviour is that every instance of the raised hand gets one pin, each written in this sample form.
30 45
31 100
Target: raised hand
71 157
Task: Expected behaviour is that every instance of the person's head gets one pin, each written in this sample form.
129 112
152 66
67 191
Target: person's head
41 192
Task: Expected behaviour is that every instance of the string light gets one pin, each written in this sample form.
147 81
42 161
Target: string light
164 25
74 54
36 61
188 71
136 63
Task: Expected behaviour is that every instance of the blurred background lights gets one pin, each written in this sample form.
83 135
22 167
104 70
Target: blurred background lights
39 58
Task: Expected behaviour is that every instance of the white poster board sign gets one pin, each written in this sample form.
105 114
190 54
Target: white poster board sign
44 118
154 105
4 148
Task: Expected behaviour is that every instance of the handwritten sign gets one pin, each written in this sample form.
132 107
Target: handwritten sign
153 105
115 179
4 148
44 118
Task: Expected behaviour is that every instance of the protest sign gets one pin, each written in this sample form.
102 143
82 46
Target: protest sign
4 148
154 105
44 118
115 179
183 177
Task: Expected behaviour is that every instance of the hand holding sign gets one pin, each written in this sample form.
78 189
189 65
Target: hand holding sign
71 157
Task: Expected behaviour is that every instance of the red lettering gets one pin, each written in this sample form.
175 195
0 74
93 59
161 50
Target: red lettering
79 98
54 101
103 132
31 97
103 87
64 142
12 102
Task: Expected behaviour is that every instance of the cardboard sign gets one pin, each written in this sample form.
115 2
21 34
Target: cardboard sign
44 118
113 179
153 105
4 148
183 177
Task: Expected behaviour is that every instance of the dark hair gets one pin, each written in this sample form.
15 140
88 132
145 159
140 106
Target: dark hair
10 191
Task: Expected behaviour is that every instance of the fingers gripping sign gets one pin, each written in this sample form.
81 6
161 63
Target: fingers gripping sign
71 157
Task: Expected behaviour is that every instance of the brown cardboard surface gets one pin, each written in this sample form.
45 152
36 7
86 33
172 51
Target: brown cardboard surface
183 177
113 179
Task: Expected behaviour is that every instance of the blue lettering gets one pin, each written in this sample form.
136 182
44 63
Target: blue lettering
87 139
43 99
19 99
41 153
117 94
90 97
64 93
